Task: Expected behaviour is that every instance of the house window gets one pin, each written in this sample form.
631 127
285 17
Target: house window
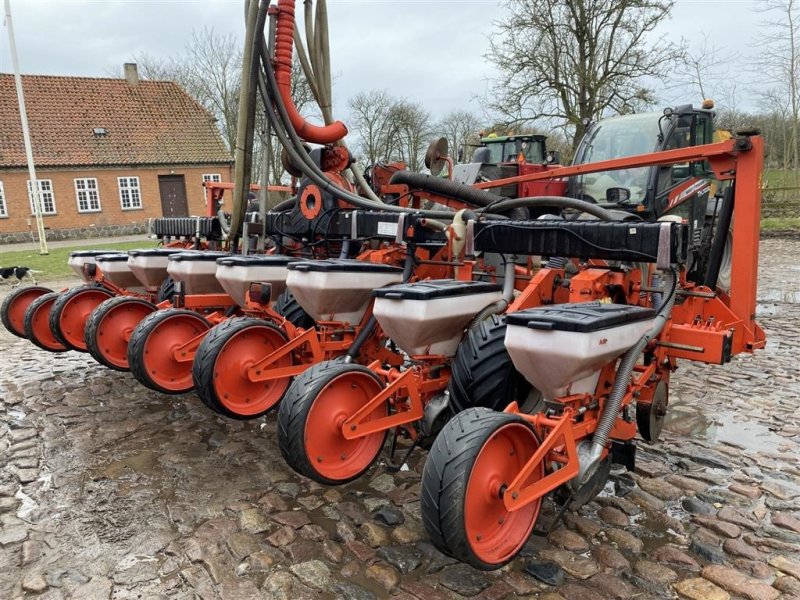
130 195
212 177
46 196
3 207
87 195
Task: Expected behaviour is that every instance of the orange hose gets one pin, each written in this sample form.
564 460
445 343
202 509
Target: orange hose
284 46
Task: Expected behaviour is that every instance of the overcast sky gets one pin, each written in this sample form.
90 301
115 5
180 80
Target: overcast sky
429 51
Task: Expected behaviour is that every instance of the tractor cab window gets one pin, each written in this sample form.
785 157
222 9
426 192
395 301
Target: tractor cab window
510 150
617 137
689 130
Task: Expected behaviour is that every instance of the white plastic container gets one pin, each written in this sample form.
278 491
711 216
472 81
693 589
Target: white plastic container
78 259
236 273
150 266
429 317
197 271
561 349
115 269
338 289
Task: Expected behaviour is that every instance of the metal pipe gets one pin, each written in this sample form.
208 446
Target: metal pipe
495 308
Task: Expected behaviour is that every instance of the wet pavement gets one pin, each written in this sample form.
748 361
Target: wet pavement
109 490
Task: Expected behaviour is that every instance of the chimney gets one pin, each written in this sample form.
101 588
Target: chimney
131 73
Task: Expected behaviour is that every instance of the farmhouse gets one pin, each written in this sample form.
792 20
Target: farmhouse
109 153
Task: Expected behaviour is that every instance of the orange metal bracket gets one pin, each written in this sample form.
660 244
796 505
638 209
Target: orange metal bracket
186 351
261 371
518 494
356 426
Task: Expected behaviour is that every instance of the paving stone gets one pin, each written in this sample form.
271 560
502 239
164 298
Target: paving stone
33 581
741 548
655 573
464 580
569 540
736 583
313 573
404 558
351 591
613 516
613 587
389 515
786 565
696 506
707 552
98 588
574 564
583 525
625 540
545 571
786 521
572 591
788 585
374 535
722 527
737 517
749 491
610 557
292 518
698 588
13 535
384 575
660 488
671 555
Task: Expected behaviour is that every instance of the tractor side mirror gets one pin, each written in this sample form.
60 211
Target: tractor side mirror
553 157
617 195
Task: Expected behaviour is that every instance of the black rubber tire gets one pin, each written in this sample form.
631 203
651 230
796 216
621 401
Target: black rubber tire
90 333
5 307
136 347
445 477
288 307
60 304
483 374
293 413
167 290
206 358
28 326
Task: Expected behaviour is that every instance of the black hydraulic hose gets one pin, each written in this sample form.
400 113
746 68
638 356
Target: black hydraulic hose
284 205
555 202
720 239
302 160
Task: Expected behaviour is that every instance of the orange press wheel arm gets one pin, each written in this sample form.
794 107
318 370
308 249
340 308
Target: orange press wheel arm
284 46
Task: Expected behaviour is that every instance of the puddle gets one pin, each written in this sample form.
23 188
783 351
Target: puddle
690 421
144 463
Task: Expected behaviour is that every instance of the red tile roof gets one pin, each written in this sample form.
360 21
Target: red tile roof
153 122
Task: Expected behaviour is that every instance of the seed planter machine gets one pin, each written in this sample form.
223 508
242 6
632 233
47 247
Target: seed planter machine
602 368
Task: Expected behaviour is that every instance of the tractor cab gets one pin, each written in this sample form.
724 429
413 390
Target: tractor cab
649 191
513 149
501 157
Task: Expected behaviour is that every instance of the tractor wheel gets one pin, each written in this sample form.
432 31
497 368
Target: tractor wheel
475 456
310 421
37 324
288 307
483 374
110 326
220 368
167 290
70 312
151 349
12 311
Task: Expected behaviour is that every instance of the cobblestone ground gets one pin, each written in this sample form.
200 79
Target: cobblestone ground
111 491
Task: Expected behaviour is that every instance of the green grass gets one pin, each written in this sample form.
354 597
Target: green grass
778 178
780 223
54 265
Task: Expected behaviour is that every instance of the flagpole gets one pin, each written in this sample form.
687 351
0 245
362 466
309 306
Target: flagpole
26 134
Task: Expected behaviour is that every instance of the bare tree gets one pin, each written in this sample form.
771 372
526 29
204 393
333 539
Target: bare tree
411 129
370 121
462 129
570 61
779 59
707 69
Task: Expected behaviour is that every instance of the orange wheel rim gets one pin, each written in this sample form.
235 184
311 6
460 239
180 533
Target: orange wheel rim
159 351
114 330
331 455
17 308
234 390
75 313
495 534
40 326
